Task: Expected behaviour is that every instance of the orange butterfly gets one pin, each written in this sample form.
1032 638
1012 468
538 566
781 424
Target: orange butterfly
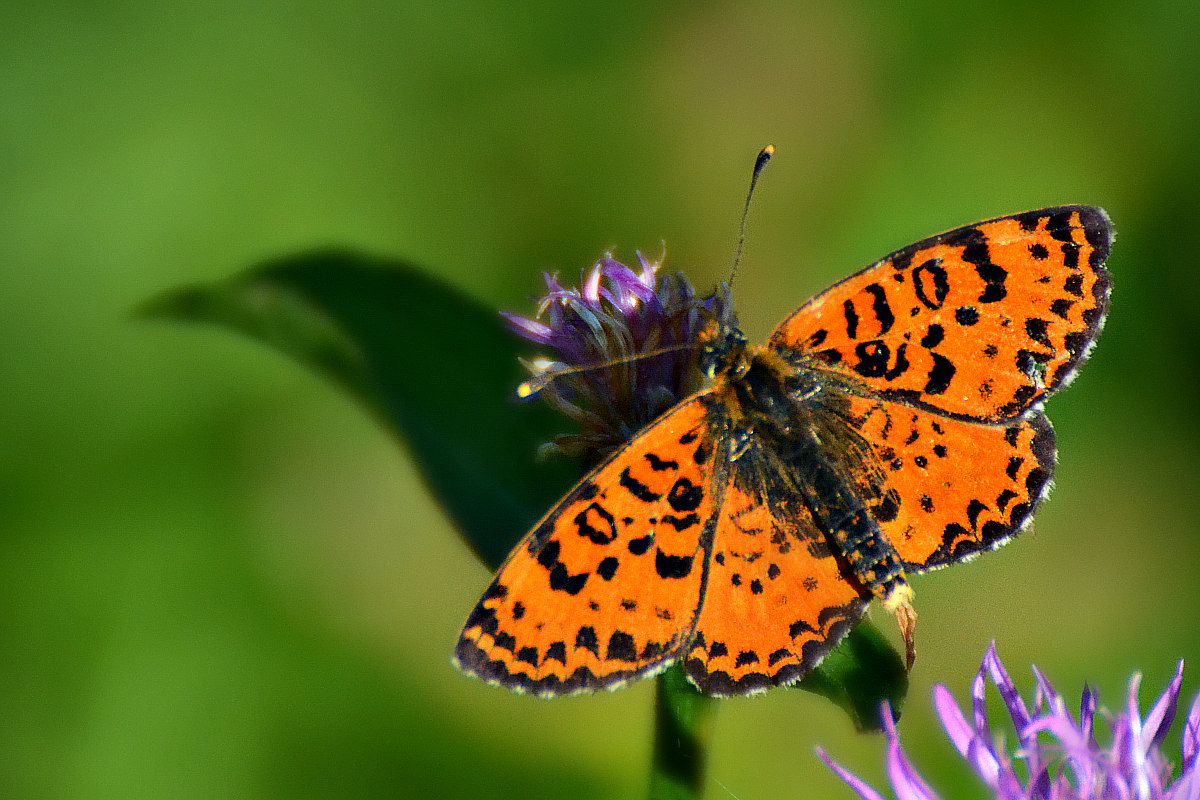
891 425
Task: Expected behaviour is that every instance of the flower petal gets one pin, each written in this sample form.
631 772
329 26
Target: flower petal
1076 747
1008 690
953 721
1063 759
979 698
590 291
856 783
976 750
1191 737
1133 755
1087 713
530 329
1187 787
1159 720
1047 694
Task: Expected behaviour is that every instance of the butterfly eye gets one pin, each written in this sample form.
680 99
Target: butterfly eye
724 350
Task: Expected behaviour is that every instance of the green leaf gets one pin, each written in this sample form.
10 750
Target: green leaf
859 674
437 367
683 723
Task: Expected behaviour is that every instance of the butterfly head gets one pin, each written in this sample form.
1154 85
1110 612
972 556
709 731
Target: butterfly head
722 343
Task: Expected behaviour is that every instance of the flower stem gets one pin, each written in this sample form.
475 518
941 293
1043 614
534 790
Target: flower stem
682 734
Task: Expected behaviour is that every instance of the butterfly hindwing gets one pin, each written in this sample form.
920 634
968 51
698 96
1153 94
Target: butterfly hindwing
980 323
606 587
776 600
953 488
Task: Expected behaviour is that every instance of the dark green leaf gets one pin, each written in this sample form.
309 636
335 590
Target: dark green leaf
683 723
434 365
859 674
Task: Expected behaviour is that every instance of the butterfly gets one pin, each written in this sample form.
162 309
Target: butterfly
893 424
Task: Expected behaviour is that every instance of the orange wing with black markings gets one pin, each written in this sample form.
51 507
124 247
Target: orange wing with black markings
607 586
776 599
954 488
979 323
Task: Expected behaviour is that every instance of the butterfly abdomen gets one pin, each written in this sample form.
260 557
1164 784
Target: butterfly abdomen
806 442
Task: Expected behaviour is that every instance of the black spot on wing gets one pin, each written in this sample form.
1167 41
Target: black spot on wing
685 495
940 375
637 488
561 580
966 315
585 639
1062 307
548 555
1036 329
608 568
745 658
672 567
640 545
658 464
974 509
879 305
681 523
994 276
621 647
594 523
558 652
931 283
933 336
851 319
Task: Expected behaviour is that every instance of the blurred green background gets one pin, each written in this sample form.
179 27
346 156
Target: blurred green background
222 579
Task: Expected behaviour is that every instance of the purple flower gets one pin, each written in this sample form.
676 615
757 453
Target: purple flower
598 335
1059 754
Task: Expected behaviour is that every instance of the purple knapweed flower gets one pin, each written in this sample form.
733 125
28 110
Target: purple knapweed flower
1059 755
605 327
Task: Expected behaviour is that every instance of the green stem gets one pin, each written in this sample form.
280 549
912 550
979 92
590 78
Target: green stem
682 734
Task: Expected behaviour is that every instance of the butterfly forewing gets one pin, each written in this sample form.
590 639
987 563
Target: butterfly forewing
606 587
980 323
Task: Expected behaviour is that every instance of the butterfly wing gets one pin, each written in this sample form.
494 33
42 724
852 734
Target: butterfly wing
776 599
607 586
953 488
979 323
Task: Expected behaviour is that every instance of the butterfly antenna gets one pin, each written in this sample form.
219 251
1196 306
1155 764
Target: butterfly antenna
538 382
759 163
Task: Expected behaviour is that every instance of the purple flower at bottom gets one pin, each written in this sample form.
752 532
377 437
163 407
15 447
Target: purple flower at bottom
623 349
1059 754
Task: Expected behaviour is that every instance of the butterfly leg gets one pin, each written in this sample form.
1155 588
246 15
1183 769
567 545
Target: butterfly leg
899 602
